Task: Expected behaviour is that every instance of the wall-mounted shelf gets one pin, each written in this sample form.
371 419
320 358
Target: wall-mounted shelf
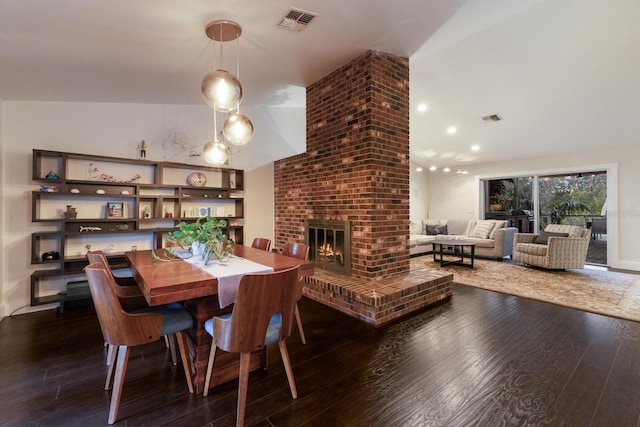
151 198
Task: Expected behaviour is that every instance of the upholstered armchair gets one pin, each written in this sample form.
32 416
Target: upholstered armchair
557 247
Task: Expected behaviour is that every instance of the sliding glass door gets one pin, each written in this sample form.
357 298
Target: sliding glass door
532 202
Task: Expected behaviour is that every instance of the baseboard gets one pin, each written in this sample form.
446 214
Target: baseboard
625 266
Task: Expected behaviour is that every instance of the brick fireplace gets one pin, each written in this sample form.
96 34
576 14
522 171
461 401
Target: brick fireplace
355 169
329 244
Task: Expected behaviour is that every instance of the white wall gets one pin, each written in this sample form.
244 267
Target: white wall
418 190
2 224
457 196
259 204
91 128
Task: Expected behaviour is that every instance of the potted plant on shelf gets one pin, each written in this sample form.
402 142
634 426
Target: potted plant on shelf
206 237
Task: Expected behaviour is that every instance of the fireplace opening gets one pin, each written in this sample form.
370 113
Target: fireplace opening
329 244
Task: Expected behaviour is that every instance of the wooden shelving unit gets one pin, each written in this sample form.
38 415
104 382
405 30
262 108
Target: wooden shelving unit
154 197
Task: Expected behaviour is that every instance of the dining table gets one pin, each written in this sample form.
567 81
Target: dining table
166 278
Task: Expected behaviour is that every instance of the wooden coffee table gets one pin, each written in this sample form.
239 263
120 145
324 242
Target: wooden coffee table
454 248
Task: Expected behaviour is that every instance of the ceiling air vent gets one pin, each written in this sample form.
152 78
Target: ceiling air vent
297 20
492 118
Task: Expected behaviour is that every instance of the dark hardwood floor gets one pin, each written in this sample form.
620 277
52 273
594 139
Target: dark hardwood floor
483 359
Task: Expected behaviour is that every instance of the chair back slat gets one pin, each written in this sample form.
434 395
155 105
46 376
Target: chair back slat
261 243
259 297
118 326
99 257
296 250
126 289
299 251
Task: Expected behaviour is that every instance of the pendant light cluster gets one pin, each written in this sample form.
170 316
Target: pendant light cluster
223 92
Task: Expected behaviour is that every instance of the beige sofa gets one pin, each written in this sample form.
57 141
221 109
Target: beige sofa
565 248
492 237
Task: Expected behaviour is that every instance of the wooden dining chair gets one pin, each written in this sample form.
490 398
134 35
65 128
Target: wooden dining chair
130 298
300 251
127 289
261 243
124 329
262 314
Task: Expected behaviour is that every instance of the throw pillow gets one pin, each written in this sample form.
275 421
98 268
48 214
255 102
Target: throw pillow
470 227
483 229
433 230
415 228
543 237
426 222
499 224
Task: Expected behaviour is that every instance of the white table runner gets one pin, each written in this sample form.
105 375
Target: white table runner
229 274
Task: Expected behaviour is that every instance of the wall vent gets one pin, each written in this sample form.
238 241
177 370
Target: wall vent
297 20
492 118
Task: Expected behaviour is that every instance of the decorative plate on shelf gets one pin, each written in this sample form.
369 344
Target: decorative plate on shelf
197 179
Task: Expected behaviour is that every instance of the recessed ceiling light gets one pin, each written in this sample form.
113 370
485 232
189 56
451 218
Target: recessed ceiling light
422 107
433 168
446 169
475 147
452 130
418 169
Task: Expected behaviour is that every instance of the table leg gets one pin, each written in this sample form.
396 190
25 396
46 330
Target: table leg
473 254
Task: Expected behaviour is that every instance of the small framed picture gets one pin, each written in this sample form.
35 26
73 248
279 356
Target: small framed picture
115 210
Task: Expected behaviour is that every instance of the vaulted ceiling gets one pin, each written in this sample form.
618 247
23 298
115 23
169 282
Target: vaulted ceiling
562 74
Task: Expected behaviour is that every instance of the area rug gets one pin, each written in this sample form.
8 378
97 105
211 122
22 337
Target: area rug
597 291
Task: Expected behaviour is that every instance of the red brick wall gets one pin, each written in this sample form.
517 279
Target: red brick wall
356 166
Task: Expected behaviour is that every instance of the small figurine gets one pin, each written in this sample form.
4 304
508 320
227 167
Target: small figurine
70 213
52 175
143 149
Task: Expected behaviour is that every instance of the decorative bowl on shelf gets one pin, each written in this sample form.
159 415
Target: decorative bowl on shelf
197 179
50 256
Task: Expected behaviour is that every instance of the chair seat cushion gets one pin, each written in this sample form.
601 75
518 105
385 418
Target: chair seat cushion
175 317
531 249
122 273
273 330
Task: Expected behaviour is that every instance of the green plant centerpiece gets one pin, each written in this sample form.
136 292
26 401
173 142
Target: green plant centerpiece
205 236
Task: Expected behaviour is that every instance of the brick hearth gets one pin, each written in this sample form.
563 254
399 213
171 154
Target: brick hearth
378 302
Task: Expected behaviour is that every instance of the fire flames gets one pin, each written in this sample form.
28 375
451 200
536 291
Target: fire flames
326 253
